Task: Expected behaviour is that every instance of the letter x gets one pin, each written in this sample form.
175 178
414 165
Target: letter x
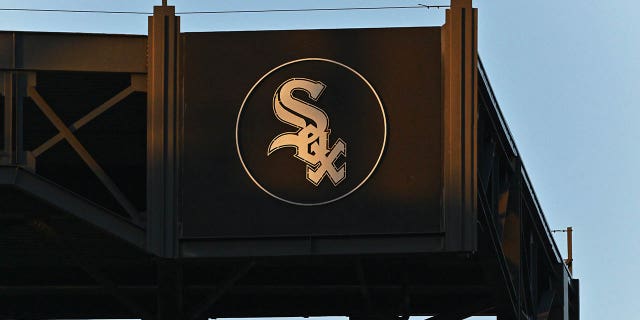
66 133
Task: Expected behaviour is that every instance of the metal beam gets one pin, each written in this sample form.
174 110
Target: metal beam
574 299
14 91
542 231
318 245
72 204
208 302
6 154
364 290
504 273
459 55
421 290
85 155
56 290
84 120
65 246
42 51
544 305
507 145
170 295
162 132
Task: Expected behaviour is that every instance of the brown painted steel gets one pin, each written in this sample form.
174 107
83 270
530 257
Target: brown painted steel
37 51
459 51
220 202
162 132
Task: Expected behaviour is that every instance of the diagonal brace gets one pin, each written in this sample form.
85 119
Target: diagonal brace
364 289
84 120
65 246
84 154
220 291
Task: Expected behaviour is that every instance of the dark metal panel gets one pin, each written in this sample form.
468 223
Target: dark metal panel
73 52
403 195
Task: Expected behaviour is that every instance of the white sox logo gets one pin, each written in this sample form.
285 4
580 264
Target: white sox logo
286 143
311 140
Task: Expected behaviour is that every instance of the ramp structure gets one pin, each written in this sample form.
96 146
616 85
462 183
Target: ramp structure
139 178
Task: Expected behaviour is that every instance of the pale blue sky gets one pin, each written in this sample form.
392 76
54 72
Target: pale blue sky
565 74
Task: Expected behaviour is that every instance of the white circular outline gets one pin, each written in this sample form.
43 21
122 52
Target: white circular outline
384 141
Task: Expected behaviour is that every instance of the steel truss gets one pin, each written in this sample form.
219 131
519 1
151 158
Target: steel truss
131 264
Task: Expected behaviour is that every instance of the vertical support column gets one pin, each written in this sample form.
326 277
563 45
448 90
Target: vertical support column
560 308
460 63
569 260
170 290
162 125
6 154
14 88
574 300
